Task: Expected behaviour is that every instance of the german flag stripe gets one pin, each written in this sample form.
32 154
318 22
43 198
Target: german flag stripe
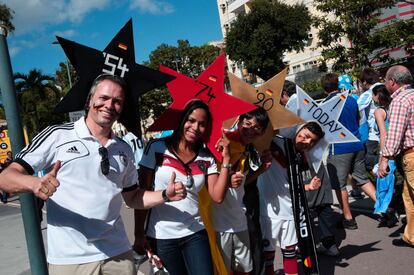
269 92
122 46
308 262
212 78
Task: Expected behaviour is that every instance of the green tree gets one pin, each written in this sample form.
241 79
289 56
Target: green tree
260 38
37 96
357 21
62 77
184 58
6 15
313 88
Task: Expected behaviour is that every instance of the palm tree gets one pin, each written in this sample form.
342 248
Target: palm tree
35 81
37 96
6 15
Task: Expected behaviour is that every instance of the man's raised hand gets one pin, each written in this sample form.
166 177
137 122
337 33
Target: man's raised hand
47 184
175 190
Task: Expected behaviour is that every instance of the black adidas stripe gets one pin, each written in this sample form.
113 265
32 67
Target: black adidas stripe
42 136
150 143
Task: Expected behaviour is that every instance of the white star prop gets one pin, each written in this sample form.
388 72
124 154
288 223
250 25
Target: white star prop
327 115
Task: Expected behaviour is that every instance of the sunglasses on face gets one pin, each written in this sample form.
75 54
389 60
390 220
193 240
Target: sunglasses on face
103 152
248 125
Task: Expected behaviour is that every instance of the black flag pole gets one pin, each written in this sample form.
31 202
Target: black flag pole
306 241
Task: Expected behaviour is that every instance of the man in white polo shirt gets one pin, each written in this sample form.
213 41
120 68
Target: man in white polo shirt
91 172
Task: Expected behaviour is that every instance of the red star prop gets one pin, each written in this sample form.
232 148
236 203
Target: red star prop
208 87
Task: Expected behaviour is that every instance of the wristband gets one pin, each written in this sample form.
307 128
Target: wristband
164 196
227 166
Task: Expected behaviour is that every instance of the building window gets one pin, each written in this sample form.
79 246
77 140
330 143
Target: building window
295 68
310 64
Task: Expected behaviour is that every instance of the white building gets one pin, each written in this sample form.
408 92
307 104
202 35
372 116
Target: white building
304 65
401 11
300 63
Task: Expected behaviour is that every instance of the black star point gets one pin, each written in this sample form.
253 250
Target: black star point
117 58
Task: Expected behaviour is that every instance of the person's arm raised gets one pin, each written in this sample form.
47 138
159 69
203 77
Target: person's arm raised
217 185
14 179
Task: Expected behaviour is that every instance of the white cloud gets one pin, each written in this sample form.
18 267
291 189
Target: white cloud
66 34
152 6
13 51
77 9
36 15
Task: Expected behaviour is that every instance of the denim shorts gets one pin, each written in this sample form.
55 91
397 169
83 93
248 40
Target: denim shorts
340 166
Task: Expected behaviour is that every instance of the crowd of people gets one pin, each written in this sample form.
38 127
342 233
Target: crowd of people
90 171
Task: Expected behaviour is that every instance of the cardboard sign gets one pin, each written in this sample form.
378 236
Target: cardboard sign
118 58
266 96
208 87
327 115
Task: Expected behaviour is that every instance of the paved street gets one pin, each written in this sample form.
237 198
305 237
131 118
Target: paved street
367 250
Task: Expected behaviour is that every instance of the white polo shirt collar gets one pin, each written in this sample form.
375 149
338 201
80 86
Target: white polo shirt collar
83 132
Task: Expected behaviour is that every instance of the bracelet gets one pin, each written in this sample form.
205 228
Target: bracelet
227 166
164 196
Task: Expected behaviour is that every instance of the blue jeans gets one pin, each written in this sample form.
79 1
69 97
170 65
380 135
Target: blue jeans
186 255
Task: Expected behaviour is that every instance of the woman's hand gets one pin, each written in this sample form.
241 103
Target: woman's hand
154 259
223 146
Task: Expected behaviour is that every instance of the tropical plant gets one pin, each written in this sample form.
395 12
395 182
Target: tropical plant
37 96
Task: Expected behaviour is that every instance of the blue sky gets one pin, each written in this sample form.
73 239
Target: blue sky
94 22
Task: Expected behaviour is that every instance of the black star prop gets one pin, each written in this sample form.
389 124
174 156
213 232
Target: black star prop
117 58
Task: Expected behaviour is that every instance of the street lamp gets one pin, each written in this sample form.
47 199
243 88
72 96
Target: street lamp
34 239
3 28
67 67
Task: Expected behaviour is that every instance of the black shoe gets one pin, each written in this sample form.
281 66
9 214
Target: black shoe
392 221
401 243
382 222
350 224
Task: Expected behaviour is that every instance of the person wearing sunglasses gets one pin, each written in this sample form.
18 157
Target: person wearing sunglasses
91 172
175 230
229 217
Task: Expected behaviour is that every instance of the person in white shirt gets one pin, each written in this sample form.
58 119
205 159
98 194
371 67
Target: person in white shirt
91 171
175 230
229 217
276 214
369 78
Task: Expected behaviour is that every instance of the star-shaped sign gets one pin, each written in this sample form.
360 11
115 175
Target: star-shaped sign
118 58
268 97
327 115
208 87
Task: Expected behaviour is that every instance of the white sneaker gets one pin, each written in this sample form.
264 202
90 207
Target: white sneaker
332 251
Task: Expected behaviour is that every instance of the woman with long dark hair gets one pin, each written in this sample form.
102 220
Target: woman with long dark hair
385 185
175 230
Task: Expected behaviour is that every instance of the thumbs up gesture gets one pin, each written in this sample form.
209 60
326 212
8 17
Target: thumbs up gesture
48 183
175 190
